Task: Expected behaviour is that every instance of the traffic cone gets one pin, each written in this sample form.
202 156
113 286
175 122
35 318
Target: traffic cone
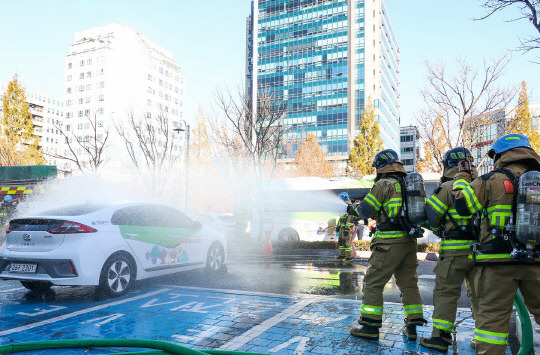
267 248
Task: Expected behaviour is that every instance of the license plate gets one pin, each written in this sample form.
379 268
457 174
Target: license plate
23 268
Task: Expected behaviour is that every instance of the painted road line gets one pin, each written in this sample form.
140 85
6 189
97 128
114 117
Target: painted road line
13 289
78 313
264 326
432 277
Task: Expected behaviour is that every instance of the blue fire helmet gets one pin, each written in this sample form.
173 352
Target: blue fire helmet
8 198
385 157
510 141
453 156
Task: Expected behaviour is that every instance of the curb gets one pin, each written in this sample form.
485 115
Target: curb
361 254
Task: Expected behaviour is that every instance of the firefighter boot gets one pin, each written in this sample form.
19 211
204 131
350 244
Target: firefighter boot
346 261
366 332
439 343
339 257
409 329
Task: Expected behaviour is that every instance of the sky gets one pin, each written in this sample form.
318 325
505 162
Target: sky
207 40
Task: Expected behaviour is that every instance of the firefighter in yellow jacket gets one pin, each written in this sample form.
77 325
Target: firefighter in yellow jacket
454 266
500 273
393 251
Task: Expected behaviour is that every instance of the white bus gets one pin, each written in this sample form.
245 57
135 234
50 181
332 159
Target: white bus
300 208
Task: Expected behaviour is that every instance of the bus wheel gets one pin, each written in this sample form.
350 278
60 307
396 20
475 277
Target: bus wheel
288 234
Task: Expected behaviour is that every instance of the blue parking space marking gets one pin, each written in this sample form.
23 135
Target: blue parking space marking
218 319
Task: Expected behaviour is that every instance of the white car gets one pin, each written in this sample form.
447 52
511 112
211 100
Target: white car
107 246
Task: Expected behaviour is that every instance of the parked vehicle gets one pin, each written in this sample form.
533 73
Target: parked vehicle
107 246
300 208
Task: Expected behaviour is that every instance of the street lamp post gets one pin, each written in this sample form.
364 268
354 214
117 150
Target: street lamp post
186 129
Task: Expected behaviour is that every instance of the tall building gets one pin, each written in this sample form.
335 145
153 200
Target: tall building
495 129
47 114
112 71
325 58
409 147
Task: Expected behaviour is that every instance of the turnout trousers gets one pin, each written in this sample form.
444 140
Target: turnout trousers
450 273
496 287
387 260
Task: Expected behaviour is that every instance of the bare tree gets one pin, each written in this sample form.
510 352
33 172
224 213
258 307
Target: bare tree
258 135
87 152
253 140
149 144
529 10
463 106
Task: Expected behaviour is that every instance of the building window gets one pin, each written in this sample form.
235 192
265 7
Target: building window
101 71
69 77
82 63
69 66
68 114
87 112
81 88
149 102
68 102
101 84
68 90
80 113
88 86
100 110
81 76
89 74
100 124
80 101
89 61
87 99
150 77
101 98
149 115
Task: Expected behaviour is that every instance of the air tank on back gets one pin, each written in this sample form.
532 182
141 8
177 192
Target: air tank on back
528 208
416 198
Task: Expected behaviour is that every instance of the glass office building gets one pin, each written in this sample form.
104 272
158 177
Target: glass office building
325 58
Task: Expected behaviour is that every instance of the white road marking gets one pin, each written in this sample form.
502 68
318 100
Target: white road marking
13 289
432 277
299 349
78 313
264 326
105 319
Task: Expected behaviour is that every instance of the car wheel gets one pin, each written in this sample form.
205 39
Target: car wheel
289 235
215 259
37 286
117 276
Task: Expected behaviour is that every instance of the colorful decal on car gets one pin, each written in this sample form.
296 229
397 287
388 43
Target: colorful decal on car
163 256
160 236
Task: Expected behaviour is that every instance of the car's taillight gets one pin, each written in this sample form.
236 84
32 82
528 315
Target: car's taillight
9 229
68 227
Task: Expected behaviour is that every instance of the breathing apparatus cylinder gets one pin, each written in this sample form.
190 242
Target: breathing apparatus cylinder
528 209
416 198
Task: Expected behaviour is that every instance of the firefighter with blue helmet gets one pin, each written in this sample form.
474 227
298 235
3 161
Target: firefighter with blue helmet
458 234
493 196
393 251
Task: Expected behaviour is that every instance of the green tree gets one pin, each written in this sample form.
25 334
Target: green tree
367 144
310 159
19 145
522 119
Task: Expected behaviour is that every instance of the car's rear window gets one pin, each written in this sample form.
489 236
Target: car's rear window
74 210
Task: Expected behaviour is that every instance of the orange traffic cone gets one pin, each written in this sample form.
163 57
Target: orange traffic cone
267 248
